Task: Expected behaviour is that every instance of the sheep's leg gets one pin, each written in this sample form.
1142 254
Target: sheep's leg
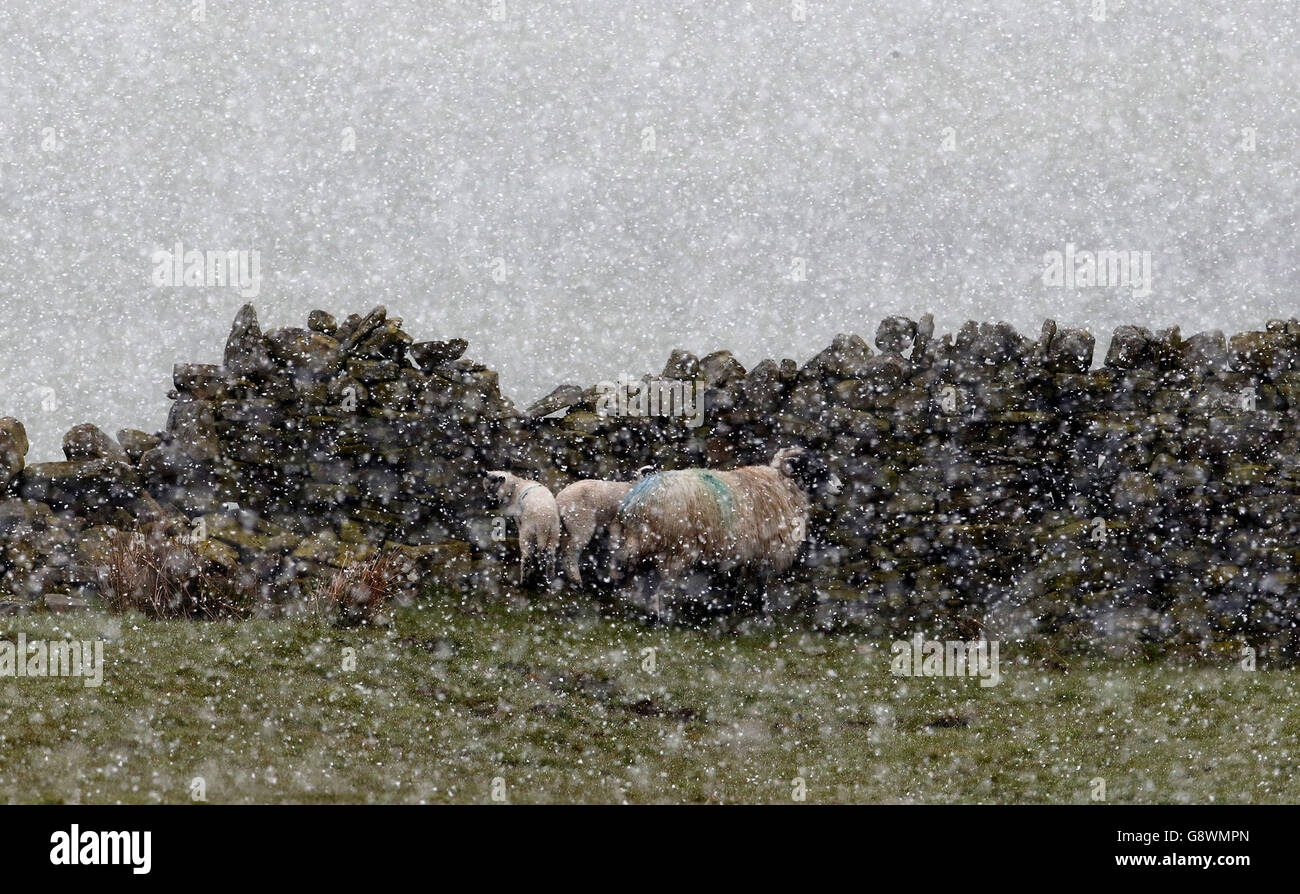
569 552
525 557
614 535
763 577
670 571
572 553
651 591
565 540
550 569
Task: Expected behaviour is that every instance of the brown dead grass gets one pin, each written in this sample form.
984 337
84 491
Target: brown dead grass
162 577
359 593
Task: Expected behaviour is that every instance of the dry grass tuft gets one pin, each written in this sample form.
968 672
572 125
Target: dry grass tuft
163 578
360 592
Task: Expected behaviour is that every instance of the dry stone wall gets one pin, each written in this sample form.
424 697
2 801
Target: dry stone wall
995 482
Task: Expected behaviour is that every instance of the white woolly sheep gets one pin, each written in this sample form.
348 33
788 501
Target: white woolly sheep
753 518
539 521
586 507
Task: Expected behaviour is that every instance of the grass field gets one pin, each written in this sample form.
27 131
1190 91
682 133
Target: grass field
555 702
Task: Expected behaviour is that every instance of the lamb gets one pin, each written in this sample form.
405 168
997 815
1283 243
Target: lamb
753 518
539 521
586 507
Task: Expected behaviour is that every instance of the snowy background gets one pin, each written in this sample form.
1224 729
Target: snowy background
918 156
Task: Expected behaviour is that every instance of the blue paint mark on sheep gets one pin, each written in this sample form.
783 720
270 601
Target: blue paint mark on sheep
639 492
721 493
714 485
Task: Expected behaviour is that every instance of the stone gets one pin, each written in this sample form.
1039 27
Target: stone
430 355
368 372
721 369
13 449
924 333
1246 474
62 602
989 344
886 372
167 463
83 485
203 380
846 357
1166 348
583 421
1128 347
305 354
1205 352
1045 335
87 441
896 334
1133 489
220 554
1263 354
246 355
323 547
323 322
386 342
860 424
362 330
807 401
681 365
561 398
136 443
192 428
19 517
349 324
1070 351
478 379
762 386
260 538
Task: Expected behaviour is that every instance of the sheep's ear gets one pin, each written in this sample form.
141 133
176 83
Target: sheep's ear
787 462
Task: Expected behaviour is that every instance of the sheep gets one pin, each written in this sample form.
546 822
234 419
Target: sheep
585 507
539 521
752 518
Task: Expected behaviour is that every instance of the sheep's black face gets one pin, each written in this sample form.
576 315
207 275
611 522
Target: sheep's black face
812 474
493 484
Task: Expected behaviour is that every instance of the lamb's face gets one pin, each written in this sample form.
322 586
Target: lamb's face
808 470
498 486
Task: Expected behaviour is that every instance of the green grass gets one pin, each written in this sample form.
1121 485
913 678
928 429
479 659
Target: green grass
553 699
